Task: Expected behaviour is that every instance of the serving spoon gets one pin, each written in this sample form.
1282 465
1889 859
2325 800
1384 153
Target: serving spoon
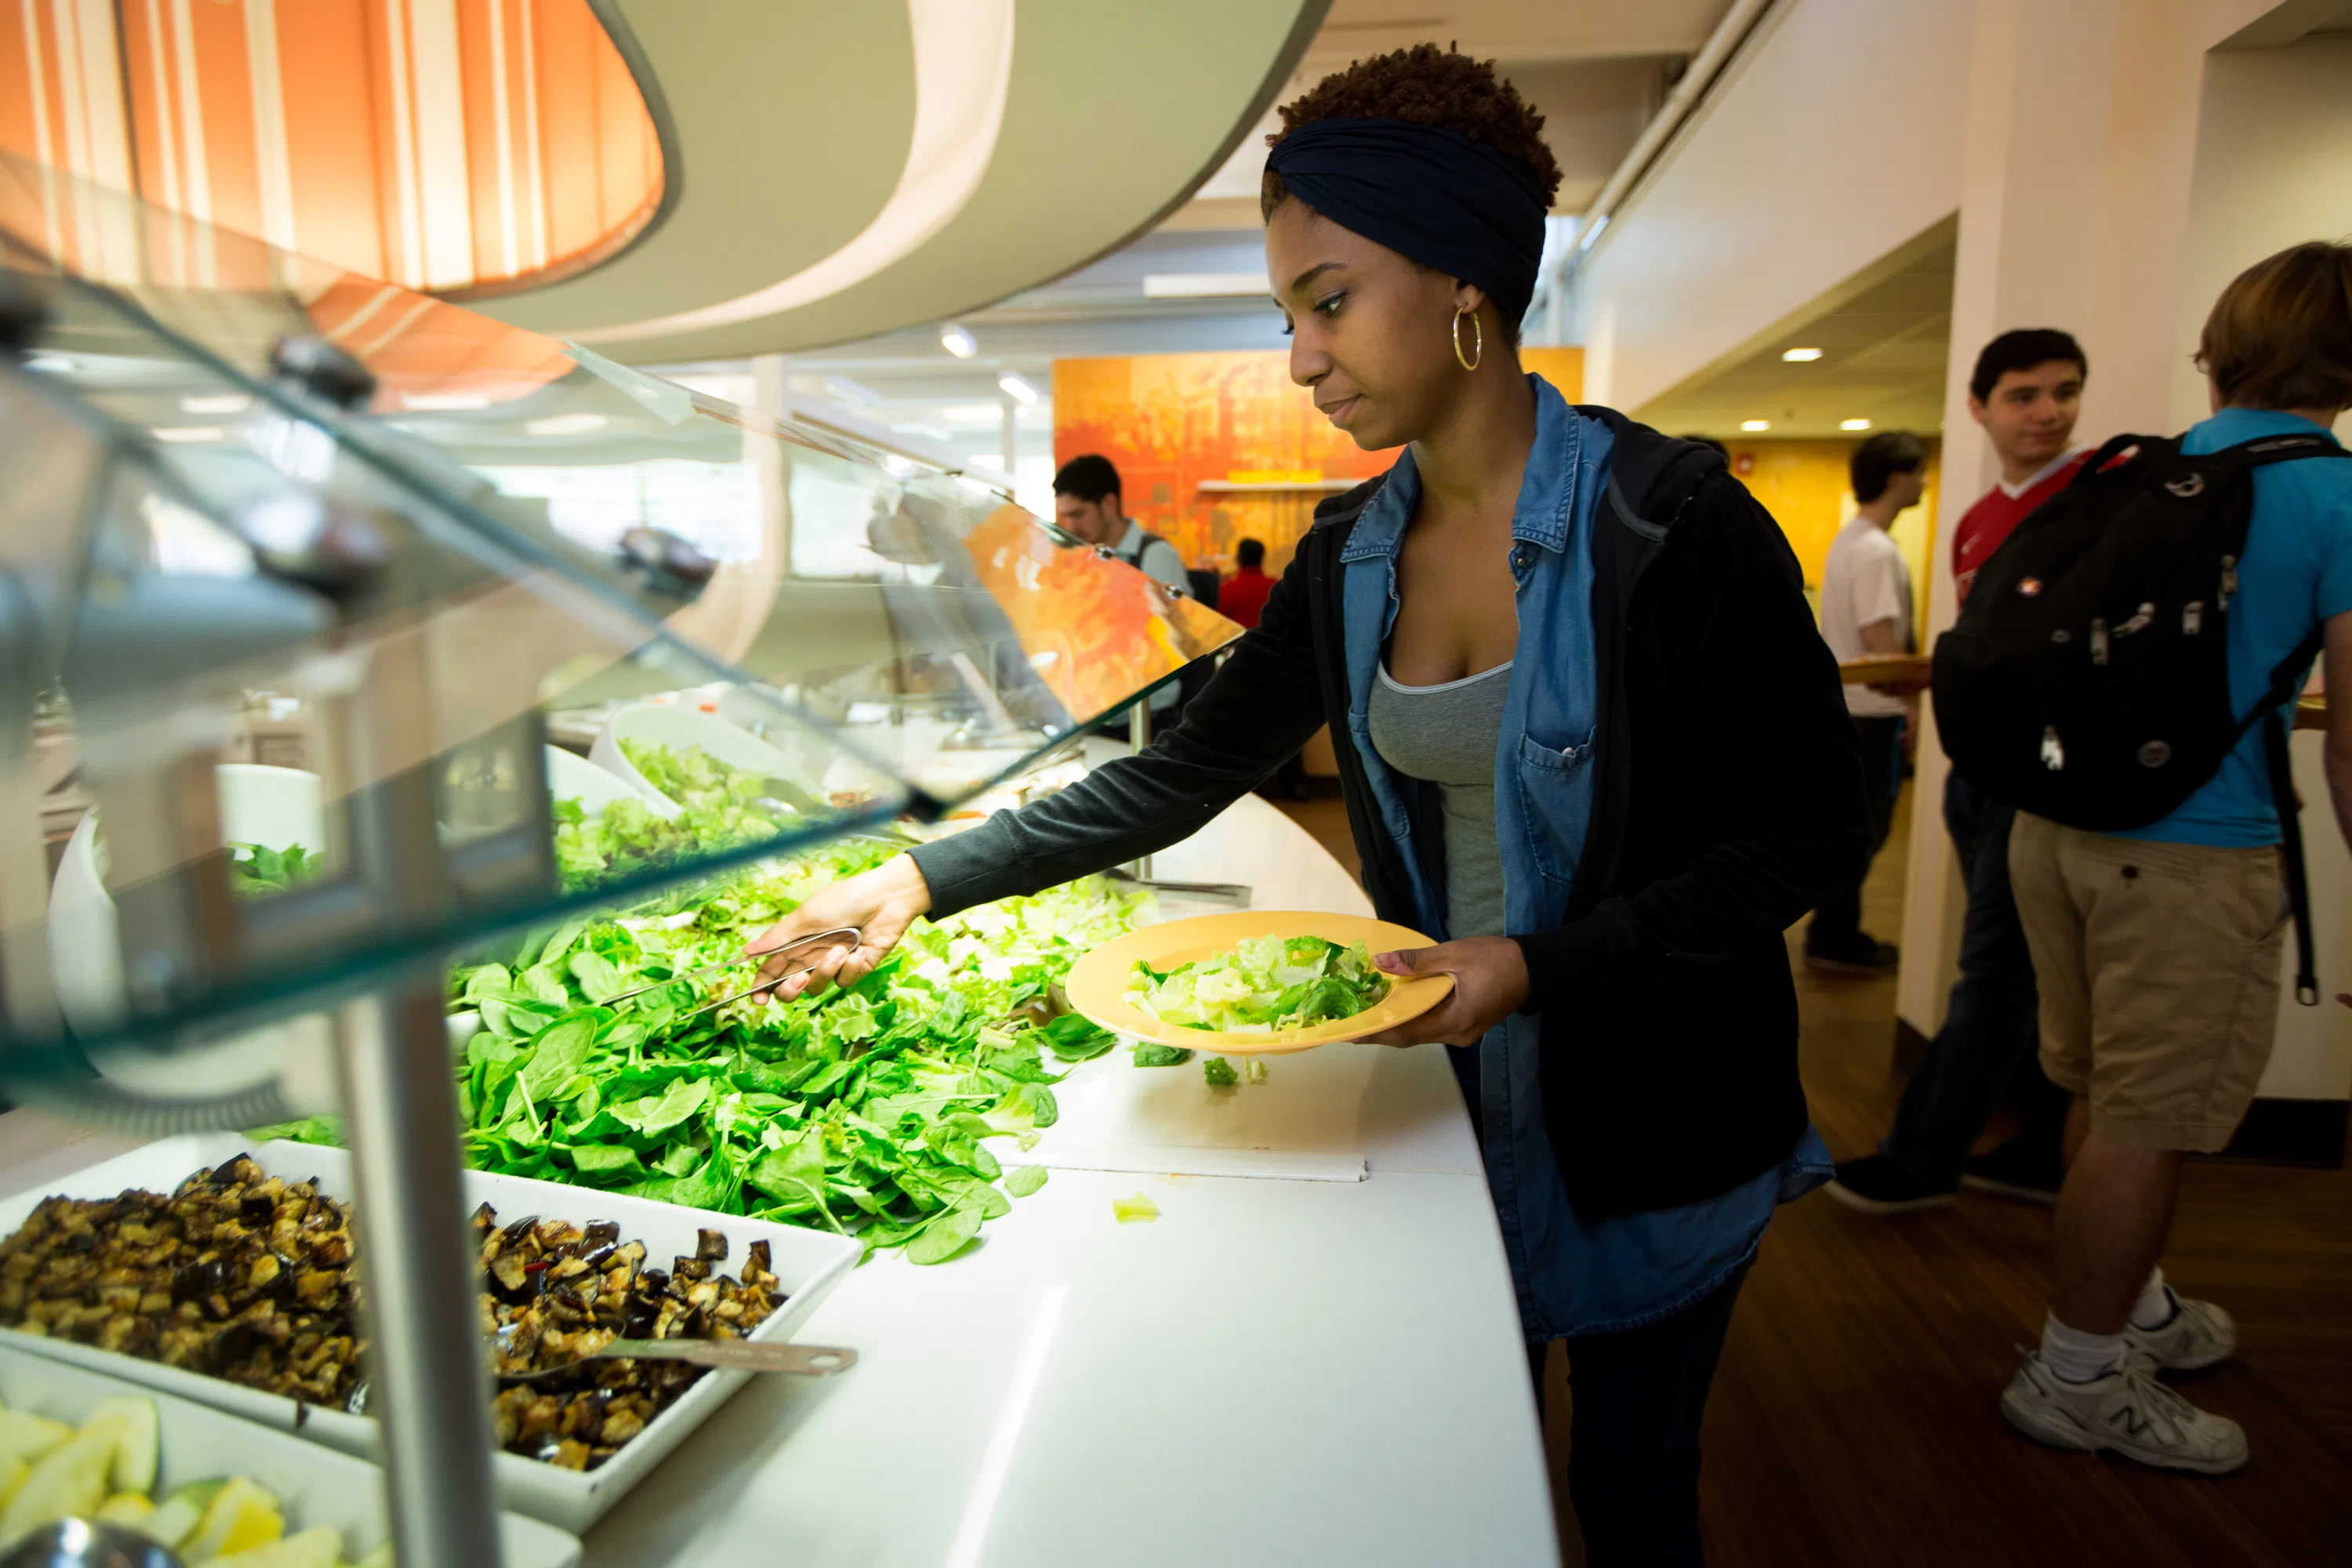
734 1355
85 1543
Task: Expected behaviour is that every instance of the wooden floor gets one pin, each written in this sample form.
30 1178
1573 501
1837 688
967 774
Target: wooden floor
1854 1419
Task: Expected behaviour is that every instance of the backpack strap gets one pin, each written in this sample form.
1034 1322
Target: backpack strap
2284 682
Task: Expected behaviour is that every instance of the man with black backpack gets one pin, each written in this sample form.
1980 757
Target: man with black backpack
2122 670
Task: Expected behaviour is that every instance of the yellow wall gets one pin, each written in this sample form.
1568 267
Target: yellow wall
1803 485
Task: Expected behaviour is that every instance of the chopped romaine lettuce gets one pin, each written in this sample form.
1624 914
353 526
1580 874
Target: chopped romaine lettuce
1265 984
1218 1072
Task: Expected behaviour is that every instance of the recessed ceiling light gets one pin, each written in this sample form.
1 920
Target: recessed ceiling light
1751 426
188 433
1016 389
1853 424
1799 356
215 402
957 342
444 402
53 364
1203 284
564 424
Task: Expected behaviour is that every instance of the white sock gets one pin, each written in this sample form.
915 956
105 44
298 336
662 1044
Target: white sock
2155 1307
2078 1357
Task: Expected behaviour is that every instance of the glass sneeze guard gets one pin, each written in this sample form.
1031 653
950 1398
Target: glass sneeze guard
901 637
297 572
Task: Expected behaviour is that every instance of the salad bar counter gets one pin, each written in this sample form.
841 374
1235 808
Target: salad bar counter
1272 1370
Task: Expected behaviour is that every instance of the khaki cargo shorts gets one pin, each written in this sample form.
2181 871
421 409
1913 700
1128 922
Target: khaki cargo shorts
2158 965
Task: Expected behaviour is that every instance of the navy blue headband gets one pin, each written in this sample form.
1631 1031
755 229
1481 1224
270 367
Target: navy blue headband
1430 195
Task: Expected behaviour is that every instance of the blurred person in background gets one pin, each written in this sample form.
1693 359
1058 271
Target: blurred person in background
1087 504
2157 951
2024 392
1243 595
1867 609
1508 634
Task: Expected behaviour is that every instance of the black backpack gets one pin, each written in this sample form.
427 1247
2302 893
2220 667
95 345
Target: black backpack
2087 679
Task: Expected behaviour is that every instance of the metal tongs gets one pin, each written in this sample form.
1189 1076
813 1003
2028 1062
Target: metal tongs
711 969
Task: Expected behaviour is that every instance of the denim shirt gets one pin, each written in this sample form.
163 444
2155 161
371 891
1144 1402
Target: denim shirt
1573 1275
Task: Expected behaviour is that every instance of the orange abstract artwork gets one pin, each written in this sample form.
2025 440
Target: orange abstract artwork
1096 630
1217 447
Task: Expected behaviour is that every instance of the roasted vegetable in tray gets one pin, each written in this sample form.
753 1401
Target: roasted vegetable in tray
245 1276
558 1293
237 1274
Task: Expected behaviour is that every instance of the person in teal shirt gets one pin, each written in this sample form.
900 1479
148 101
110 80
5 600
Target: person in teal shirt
2156 952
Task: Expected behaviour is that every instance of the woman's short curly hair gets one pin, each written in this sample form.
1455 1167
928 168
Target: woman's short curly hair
1426 86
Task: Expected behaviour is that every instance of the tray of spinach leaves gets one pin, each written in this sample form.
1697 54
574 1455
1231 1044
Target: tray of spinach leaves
867 1110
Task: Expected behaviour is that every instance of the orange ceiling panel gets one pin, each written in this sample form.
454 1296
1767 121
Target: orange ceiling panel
463 147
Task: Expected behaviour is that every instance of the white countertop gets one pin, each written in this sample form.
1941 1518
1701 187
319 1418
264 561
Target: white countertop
1276 1371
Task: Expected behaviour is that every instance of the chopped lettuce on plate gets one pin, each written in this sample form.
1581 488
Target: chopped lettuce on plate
1264 985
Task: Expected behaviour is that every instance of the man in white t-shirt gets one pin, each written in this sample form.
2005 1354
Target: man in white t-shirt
1867 609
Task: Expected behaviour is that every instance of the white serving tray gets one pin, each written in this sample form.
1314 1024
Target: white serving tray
315 1486
807 1263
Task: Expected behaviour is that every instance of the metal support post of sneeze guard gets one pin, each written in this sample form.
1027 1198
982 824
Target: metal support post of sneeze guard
1139 735
423 1315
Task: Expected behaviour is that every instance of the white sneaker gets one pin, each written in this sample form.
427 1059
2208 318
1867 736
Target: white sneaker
2199 1335
2127 1411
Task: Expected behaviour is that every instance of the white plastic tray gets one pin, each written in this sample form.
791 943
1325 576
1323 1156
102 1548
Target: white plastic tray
315 1486
807 1263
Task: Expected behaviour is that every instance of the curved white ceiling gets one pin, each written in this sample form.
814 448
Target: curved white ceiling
846 169
962 69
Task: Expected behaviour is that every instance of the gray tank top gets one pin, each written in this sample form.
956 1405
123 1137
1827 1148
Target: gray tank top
1447 735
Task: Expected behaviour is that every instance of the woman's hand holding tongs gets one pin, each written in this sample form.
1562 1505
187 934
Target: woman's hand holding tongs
877 905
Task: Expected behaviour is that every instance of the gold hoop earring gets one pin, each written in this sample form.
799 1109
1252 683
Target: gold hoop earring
1477 339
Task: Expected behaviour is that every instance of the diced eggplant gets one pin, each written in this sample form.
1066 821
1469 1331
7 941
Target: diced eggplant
710 1245
511 1274
756 1257
602 1232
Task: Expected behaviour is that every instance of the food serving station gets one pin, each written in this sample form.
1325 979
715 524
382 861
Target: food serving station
381 1059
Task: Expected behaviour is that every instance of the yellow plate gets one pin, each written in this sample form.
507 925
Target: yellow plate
1098 982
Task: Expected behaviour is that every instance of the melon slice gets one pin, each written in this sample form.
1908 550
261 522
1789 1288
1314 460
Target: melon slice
319 1548
68 1482
240 1517
135 1456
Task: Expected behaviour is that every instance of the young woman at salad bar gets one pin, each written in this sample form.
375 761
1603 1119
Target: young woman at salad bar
1542 629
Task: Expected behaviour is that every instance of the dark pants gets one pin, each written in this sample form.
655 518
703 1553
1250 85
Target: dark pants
1632 1457
1837 923
1986 1051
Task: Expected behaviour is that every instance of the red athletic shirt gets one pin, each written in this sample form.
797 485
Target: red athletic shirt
1984 526
1241 598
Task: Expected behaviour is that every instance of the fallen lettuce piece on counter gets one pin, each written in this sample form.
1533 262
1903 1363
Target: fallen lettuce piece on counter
1148 1055
1137 1210
1264 985
1218 1072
